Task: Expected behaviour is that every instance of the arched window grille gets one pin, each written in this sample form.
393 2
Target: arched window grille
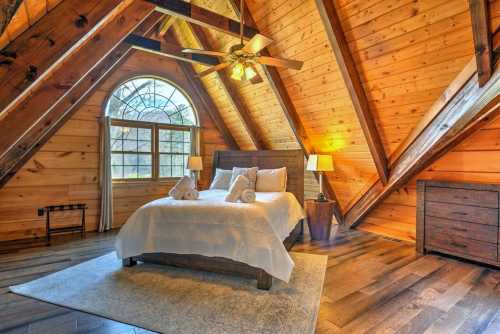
153 129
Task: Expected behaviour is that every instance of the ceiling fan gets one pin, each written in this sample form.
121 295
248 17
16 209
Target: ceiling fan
243 57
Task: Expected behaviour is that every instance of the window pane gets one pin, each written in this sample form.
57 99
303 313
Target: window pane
116 145
165 135
117 172
145 172
144 134
165 171
187 148
177 171
144 160
144 146
165 159
129 133
177 147
165 146
116 159
116 132
130 172
130 159
130 145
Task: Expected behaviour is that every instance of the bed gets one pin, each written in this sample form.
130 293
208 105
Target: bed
249 240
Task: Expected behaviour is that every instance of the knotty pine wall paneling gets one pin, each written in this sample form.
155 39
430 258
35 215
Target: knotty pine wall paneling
66 169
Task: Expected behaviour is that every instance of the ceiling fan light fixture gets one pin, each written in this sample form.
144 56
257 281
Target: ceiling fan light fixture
238 71
249 72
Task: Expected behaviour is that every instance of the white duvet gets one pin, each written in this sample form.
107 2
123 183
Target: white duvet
251 233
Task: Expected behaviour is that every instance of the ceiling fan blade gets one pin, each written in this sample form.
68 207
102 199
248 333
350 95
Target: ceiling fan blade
288 63
257 43
257 78
205 52
219 67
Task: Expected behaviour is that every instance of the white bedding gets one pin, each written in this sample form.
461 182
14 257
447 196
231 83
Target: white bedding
251 233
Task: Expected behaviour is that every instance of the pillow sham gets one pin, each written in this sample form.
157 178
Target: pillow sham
271 180
250 173
222 179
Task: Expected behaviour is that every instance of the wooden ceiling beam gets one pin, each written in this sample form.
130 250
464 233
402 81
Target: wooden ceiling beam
8 9
167 23
479 12
209 105
231 92
32 56
354 85
467 107
167 49
288 108
201 16
31 120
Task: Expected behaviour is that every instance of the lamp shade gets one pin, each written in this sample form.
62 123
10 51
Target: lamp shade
320 163
194 163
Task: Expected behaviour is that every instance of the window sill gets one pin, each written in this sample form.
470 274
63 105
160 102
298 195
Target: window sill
148 181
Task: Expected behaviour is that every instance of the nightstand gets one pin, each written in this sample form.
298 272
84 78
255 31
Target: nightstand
319 218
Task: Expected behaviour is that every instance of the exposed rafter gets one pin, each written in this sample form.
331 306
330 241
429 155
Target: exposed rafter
231 93
33 55
167 49
31 121
479 12
167 23
8 9
205 98
467 107
288 108
354 85
203 17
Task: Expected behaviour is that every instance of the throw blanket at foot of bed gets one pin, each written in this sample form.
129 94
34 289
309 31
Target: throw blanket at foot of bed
251 233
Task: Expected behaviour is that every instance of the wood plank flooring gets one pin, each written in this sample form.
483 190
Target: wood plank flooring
373 285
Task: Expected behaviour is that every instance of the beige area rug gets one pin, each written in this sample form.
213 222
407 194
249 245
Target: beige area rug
173 300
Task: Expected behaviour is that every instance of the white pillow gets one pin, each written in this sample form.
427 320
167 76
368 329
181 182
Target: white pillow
250 173
222 179
271 180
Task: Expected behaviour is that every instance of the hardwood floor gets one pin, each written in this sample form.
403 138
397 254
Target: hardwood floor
373 285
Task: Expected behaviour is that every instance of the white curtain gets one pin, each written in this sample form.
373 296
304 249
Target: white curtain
106 221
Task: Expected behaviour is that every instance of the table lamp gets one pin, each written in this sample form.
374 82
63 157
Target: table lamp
195 164
320 163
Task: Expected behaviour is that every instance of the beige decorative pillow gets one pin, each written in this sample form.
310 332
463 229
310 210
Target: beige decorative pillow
250 173
271 180
222 179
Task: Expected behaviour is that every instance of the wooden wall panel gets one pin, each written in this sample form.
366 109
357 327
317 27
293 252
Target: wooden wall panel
27 14
475 160
66 169
407 52
317 91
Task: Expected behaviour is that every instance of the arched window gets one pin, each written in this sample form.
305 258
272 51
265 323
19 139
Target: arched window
152 129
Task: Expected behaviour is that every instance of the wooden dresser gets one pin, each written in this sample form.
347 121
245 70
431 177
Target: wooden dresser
460 219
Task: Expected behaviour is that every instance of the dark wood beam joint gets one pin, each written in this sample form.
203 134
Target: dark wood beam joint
483 39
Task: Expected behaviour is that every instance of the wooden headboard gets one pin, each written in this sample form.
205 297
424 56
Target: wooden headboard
293 160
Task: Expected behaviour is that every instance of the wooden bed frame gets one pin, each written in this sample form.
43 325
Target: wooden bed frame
293 160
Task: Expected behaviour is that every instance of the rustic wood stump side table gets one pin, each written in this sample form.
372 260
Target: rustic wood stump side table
319 218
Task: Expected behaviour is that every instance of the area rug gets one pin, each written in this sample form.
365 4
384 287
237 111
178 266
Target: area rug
173 300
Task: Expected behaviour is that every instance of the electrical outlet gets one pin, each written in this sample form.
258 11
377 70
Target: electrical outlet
41 212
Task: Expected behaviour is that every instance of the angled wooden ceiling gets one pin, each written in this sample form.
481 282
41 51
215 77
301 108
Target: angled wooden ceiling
399 57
